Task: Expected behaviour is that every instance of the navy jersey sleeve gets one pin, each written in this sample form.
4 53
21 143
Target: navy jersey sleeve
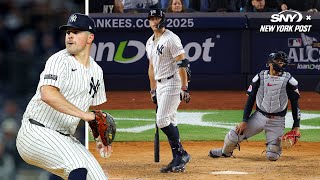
251 93
294 95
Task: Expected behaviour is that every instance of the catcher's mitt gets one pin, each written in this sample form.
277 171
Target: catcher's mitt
104 126
290 138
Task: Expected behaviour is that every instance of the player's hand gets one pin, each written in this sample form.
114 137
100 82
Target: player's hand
297 129
184 94
88 116
241 127
153 94
105 151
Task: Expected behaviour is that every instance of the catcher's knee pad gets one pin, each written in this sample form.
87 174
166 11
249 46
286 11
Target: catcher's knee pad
273 152
231 142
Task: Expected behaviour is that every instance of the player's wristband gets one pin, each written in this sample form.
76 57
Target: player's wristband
245 120
184 87
152 91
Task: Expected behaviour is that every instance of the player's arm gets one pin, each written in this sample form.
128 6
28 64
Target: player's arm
251 93
153 84
294 95
52 96
182 64
178 54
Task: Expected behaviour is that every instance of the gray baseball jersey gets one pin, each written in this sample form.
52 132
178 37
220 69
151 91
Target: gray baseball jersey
45 146
271 94
162 53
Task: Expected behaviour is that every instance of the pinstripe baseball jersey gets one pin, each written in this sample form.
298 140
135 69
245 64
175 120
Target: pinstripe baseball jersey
79 85
162 53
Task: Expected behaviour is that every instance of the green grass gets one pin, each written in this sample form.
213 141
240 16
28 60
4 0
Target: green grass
189 132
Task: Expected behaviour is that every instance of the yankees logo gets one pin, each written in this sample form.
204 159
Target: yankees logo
73 18
152 12
159 49
94 87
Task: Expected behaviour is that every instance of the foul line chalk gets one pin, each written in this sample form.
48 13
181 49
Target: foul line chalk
228 172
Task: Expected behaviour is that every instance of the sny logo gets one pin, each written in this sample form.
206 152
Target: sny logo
290 20
287 16
94 87
159 49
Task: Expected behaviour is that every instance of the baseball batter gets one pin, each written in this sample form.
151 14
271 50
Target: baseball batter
168 83
70 83
270 89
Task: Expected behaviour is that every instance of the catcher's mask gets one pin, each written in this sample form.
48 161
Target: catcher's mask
158 13
275 58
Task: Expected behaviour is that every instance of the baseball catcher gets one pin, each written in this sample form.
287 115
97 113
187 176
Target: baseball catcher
103 129
271 90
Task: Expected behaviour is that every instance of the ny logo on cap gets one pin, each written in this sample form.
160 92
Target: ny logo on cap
73 18
153 12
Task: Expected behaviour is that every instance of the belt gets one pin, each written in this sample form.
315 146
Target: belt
269 115
165 78
32 121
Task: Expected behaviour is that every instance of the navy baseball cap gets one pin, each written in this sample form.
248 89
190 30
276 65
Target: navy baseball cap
81 22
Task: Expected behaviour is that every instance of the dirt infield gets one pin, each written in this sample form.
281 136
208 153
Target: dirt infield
199 100
134 160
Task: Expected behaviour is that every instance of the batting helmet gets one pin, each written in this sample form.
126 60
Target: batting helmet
278 56
158 13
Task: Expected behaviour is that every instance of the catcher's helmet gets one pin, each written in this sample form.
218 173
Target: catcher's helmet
158 13
278 56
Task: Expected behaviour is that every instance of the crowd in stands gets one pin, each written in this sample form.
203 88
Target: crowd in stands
29 34
136 6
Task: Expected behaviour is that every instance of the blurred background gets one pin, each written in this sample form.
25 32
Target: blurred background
29 34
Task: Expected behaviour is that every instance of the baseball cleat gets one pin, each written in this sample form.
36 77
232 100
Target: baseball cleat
167 168
180 162
216 153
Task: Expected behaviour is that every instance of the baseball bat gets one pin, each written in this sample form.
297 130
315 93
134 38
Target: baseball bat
156 141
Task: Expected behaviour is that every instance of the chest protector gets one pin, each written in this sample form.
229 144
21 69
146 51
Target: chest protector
272 96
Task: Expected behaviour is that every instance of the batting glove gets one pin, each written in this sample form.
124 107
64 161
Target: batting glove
153 96
184 94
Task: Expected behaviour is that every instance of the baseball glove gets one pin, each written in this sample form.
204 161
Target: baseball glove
104 126
290 139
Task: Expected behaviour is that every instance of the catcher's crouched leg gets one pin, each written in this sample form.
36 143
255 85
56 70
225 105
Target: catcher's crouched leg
273 152
231 142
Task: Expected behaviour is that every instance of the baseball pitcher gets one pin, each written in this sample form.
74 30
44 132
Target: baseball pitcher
270 89
168 74
70 83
